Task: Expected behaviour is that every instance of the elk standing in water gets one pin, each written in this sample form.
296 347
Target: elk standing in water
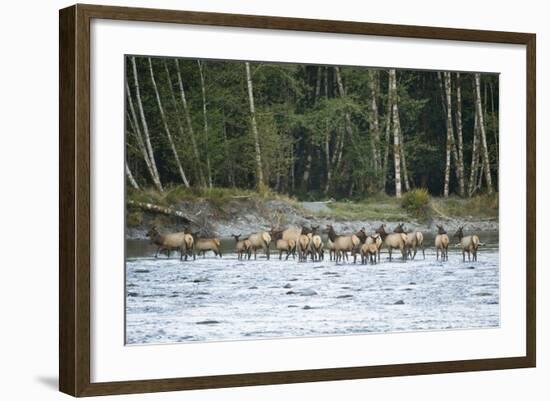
441 243
392 241
303 244
202 245
369 251
242 246
413 242
316 245
283 245
260 240
469 244
170 242
377 240
342 243
362 236
331 250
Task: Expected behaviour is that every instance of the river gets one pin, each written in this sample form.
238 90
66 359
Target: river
213 299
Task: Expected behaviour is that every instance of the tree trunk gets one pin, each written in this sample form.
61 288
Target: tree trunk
228 159
205 120
327 139
460 161
131 178
327 157
373 123
292 180
174 102
396 144
387 136
445 107
156 177
259 172
150 207
495 131
348 124
449 123
310 146
485 152
342 93
475 157
134 124
166 127
190 126
402 153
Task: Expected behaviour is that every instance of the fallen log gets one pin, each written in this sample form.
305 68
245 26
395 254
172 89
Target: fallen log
150 207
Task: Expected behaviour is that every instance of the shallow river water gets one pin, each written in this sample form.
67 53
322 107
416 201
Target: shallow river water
214 299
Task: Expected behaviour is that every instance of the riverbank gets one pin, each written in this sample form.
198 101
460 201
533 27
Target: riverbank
223 212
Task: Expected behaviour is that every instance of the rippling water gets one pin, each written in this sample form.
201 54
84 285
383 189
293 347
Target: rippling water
226 299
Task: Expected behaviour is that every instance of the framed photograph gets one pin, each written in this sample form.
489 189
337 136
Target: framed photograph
250 200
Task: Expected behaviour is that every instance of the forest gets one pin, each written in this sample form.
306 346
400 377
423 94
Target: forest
312 132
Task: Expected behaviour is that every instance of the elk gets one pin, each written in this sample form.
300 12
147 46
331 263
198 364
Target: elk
170 242
331 249
242 246
291 233
362 236
392 241
342 243
369 251
189 244
202 245
375 239
316 244
260 240
420 244
441 243
283 245
303 244
414 240
469 244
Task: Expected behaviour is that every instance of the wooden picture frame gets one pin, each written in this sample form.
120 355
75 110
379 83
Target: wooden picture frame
74 200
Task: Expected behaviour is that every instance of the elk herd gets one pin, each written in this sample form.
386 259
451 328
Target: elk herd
307 242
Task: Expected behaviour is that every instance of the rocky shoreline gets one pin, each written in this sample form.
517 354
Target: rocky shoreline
247 216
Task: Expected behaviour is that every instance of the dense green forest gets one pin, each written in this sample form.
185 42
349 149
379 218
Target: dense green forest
309 131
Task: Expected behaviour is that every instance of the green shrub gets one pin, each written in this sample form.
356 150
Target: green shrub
417 202
134 218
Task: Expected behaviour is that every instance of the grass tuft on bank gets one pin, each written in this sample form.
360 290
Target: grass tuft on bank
482 206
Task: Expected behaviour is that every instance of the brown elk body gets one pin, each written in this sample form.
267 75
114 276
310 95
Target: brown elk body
331 250
291 233
441 243
392 241
203 245
260 240
342 243
377 240
362 236
413 241
242 247
369 252
468 243
283 245
316 244
303 246
170 242
420 244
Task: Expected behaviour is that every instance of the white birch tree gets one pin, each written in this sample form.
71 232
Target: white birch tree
147 138
166 126
258 153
